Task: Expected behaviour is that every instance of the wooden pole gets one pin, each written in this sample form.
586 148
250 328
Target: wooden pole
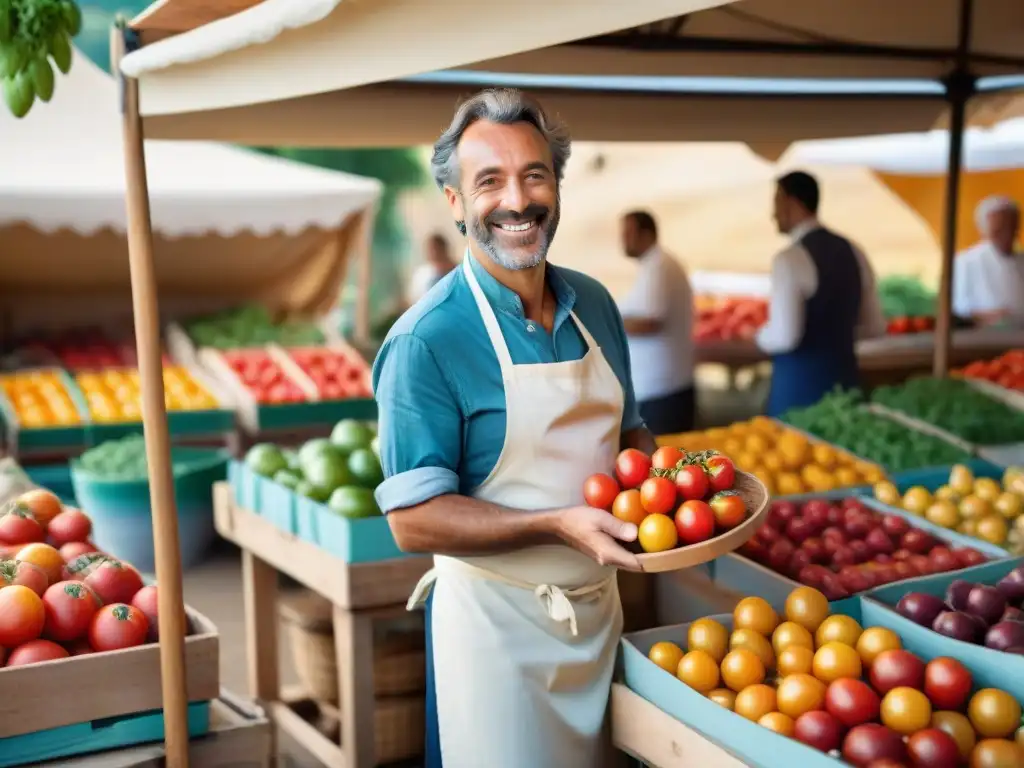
960 86
154 421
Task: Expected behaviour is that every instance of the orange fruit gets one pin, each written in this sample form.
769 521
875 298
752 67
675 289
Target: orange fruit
723 697
657 533
708 635
778 722
798 694
699 671
807 607
755 613
666 655
874 640
44 556
627 507
835 660
796 659
790 633
741 668
755 701
838 629
752 641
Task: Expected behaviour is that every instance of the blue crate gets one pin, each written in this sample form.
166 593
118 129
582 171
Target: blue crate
245 486
363 540
934 477
953 537
98 735
276 503
307 514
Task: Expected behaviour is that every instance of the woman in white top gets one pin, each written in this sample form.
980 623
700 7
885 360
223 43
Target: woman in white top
988 278
437 262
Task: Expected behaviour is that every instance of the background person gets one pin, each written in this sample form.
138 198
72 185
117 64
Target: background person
437 262
988 278
658 316
823 298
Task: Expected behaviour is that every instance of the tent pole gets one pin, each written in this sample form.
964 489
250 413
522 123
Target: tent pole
959 89
154 420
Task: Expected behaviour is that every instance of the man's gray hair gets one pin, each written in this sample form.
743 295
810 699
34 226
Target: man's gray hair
497 105
990 205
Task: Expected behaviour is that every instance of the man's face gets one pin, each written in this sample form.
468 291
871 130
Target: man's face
631 238
508 194
782 211
1003 228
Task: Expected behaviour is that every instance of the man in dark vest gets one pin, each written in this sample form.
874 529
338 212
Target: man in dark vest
823 298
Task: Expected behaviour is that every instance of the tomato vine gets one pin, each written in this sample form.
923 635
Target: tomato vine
32 32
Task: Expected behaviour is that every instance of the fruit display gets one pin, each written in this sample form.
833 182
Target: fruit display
336 374
40 399
902 325
983 507
85 349
114 395
852 692
1006 370
32 32
786 461
845 547
59 596
729 318
902 296
840 419
674 498
341 471
957 408
250 326
263 377
984 614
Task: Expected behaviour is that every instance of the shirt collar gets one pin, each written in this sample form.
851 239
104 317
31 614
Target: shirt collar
803 229
503 298
651 253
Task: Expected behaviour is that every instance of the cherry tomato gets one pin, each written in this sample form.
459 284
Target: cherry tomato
657 533
36 651
947 683
852 702
114 581
819 730
721 472
117 626
44 505
21 615
692 482
600 491
18 526
906 711
71 525
44 556
75 549
628 507
959 727
25 574
800 693
997 753
729 509
658 495
70 606
933 748
994 714
666 457
632 467
146 601
695 522
82 566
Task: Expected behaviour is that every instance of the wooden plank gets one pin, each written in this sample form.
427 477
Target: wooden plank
185 15
318 745
353 640
259 584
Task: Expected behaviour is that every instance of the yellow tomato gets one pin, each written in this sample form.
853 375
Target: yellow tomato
974 507
986 488
917 500
993 529
961 479
887 493
1009 505
846 476
789 484
872 474
772 460
824 456
943 513
745 459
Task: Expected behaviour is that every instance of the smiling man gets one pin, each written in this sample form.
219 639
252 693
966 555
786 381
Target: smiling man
499 394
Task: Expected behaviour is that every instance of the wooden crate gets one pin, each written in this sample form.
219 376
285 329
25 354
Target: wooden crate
98 685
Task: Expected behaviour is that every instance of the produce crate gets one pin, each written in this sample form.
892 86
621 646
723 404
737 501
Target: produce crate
754 745
352 540
933 478
1008 668
97 686
24 441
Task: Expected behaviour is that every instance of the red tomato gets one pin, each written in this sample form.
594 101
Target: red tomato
947 683
21 615
35 652
82 566
695 522
632 467
80 647
658 495
70 525
117 626
26 574
75 549
146 601
19 526
114 581
729 509
692 482
721 472
70 606
43 504
600 491
666 457
852 702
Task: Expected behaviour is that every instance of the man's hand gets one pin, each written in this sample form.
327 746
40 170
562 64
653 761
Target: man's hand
594 533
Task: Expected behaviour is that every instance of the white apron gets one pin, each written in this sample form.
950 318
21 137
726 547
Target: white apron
524 643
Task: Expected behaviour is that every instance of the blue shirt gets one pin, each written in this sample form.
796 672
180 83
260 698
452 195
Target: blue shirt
441 401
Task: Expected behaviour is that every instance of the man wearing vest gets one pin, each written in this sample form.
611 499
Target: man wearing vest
823 298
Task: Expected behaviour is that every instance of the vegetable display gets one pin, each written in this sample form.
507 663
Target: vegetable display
114 395
32 32
39 399
1006 370
674 498
902 296
263 377
729 319
852 692
336 374
123 460
251 326
59 596
838 418
341 471
952 405
845 547
786 461
981 507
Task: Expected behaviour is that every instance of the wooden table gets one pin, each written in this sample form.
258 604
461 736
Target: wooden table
360 594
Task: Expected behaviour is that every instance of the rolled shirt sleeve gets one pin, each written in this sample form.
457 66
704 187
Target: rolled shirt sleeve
785 327
419 425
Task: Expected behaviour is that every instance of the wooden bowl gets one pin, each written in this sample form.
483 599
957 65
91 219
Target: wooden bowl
756 498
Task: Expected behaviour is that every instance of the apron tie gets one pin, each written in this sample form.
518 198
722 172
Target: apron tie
422 590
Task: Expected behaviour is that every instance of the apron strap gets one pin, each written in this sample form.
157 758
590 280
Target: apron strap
592 345
489 318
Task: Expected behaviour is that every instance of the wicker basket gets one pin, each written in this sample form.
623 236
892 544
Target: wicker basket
399 724
399 663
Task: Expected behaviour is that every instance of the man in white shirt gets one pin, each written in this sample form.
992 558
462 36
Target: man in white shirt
437 262
658 317
988 278
823 298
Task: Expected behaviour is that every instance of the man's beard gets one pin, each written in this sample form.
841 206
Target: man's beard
482 232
